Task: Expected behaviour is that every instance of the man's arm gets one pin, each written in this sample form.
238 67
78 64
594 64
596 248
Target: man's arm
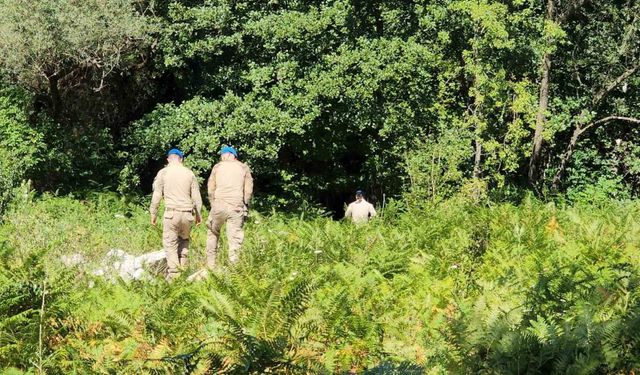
196 197
211 185
248 186
372 210
349 211
158 190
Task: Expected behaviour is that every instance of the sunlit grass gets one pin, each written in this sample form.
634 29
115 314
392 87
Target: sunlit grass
452 288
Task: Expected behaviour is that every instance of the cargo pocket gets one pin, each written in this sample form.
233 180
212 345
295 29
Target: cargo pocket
168 215
189 216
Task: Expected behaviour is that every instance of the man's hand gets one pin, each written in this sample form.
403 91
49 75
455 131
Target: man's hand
198 219
154 220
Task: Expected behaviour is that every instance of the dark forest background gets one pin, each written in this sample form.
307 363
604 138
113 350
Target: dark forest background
416 98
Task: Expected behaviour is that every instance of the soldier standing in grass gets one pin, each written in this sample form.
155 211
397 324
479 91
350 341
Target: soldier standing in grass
360 211
230 188
179 187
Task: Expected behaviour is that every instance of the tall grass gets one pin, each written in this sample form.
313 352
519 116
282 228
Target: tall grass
452 288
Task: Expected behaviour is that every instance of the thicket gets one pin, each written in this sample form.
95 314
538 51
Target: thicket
449 288
322 97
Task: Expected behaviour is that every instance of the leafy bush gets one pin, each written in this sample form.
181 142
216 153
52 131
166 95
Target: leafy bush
21 147
435 167
601 192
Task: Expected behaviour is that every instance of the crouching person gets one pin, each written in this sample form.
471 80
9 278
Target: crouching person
183 204
229 188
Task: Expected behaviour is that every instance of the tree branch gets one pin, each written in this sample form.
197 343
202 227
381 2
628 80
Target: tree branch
566 156
630 120
608 88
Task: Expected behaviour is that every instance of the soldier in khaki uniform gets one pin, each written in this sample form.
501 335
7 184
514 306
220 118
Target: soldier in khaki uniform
360 211
179 187
230 188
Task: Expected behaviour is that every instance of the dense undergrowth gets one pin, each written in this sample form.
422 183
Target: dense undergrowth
454 288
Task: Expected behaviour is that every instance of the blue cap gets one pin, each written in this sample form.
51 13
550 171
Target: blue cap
175 151
359 192
229 150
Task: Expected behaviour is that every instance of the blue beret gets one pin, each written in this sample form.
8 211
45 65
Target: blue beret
228 150
175 151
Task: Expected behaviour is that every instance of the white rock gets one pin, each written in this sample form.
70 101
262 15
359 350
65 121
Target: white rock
128 267
72 260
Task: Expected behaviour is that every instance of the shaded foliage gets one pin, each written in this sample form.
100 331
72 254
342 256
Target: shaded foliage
323 97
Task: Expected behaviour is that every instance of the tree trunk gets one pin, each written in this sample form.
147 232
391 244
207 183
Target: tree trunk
541 120
54 97
566 156
543 104
477 160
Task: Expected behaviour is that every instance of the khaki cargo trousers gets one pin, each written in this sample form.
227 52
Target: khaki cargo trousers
176 230
233 216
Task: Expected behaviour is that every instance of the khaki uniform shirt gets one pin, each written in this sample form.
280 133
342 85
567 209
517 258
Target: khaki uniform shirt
360 211
179 187
230 182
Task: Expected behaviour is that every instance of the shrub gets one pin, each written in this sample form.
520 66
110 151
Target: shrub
435 166
21 147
